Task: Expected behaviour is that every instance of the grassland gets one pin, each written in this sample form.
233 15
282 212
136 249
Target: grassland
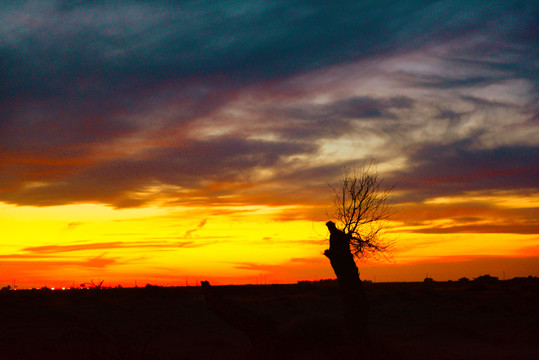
449 320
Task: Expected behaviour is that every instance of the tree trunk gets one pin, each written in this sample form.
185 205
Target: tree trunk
356 308
266 339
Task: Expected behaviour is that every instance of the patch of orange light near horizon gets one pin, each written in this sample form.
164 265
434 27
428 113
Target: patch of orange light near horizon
414 247
506 199
76 243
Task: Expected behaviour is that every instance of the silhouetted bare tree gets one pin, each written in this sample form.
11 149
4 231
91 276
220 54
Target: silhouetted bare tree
361 209
93 285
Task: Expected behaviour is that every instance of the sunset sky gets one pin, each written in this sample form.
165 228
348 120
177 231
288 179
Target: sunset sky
176 141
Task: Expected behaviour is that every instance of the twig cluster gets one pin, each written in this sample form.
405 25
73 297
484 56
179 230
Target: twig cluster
362 209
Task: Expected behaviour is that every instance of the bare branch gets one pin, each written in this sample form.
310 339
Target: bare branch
361 210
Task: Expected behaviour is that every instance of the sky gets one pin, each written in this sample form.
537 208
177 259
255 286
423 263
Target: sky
176 141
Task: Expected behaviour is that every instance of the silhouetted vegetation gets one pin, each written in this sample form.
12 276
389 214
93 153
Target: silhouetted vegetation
450 321
361 207
321 282
486 278
266 340
93 285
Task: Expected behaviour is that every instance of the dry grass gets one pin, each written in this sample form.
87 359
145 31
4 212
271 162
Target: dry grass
494 320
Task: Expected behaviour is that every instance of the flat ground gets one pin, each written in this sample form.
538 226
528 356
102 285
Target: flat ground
449 320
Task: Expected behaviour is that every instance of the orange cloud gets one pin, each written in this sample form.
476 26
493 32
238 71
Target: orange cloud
53 249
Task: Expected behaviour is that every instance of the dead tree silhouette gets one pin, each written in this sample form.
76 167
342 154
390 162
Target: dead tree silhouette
93 285
361 207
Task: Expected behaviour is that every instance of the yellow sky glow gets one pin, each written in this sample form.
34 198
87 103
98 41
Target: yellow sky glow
62 245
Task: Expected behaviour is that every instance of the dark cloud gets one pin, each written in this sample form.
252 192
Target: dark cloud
441 82
452 116
60 130
148 41
100 49
366 107
485 103
193 165
102 102
448 169
332 120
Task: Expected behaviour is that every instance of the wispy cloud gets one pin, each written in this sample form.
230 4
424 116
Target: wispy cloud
100 261
188 233
24 263
466 166
57 249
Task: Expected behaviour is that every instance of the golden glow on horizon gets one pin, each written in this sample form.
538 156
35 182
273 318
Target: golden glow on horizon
412 247
231 244
96 240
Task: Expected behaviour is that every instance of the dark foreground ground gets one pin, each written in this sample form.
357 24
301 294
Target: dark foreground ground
491 320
